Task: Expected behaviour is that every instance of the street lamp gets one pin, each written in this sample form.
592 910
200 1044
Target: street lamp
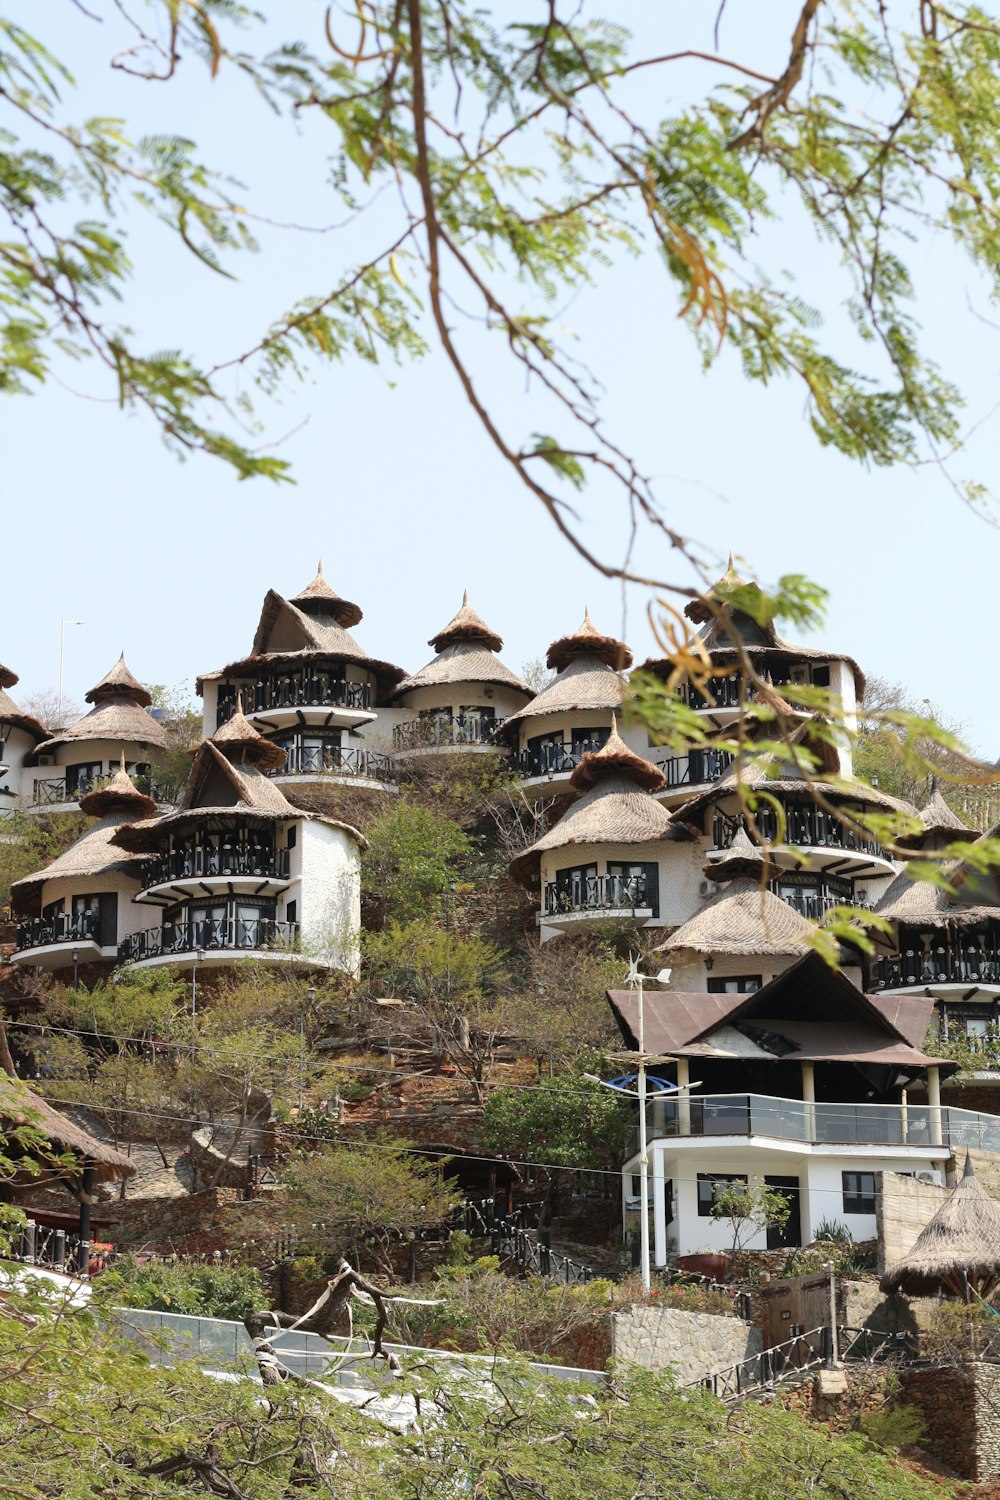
75 956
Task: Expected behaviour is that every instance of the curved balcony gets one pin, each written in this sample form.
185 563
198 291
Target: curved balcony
688 773
444 732
623 898
334 764
556 760
50 942
812 837
941 969
277 699
214 942
215 867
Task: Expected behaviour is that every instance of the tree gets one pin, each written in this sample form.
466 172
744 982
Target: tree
413 859
181 722
523 158
750 1207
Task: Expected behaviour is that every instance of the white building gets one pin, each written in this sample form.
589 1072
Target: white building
458 701
19 735
801 1084
73 759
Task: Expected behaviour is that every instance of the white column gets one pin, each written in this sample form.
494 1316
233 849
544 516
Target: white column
934 1100
809 1096
684 1102
659 1210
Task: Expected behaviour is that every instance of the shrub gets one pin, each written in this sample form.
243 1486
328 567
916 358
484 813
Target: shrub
205 1291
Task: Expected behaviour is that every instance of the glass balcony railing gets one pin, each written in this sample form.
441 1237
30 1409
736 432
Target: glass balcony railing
822 1123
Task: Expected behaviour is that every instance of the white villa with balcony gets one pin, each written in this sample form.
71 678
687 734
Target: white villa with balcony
19 735
806 1083
549 736
238 872
311 689
458 700
73 759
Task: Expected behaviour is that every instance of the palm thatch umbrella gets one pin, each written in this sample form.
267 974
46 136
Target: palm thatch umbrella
958 1252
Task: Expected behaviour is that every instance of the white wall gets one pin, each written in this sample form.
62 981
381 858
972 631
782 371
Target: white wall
326 885
457 695
19 778
679 865
131 918
563 723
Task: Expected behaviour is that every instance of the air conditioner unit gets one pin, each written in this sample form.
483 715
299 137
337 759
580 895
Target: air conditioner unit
707 887
926 1177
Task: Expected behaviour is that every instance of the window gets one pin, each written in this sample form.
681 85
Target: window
291 838
859 1192
669 1200
976 1026
737 984
79 778
575 889
291 911
710 1183
634 885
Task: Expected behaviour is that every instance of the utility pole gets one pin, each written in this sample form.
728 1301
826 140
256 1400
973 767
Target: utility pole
62 660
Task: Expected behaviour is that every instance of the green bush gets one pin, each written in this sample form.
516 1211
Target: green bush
205 1291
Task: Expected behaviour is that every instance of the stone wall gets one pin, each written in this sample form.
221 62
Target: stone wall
691 1344
903 1205
961 1408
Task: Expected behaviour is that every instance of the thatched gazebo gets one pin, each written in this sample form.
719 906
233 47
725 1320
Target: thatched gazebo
958 1252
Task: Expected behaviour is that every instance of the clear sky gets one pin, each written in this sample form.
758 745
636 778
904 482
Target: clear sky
397 487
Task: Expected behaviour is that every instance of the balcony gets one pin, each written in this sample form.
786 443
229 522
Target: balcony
256 865
566 903
335 762
814 904
218 941
554 760
471 730
939 1128
824 840
55 791
278 697
49 942
696 768
969 966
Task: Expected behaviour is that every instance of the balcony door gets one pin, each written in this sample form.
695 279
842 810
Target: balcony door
789 1234
634 884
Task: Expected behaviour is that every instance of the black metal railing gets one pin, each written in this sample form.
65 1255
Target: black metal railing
973 963
317 760
63 928
596 893
805 825
696 768
814 904
445 731
226 933
61 789
293 690
556 758
55 1250
725 691
205 861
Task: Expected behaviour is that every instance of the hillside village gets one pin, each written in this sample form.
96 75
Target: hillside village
348 976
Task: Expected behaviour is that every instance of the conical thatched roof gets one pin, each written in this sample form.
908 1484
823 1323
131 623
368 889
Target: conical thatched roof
19 1106
960 1244
7 677
241 742
95 853
119 683
615 811
941 825
119 795
466 626
616 759
116 718
12 715
741 861
584 686
588 643
318 598
746 918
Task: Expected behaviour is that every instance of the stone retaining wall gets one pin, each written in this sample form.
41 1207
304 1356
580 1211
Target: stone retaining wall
691 1344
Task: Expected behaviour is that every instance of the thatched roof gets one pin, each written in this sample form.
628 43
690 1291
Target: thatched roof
587 642
243 744
741 861
971 897
940 825
584 686
119 683
19 1106
7 677
117 719
616 759
464 662
746 918
615 811
290 636
216 791
960 1244
95 853
466 626
318 598
120 794
12 715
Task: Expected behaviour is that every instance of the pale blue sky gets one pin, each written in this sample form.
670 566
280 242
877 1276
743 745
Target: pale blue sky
399 490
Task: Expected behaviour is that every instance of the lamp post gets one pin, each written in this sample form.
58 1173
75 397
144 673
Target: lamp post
62 659
75 956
